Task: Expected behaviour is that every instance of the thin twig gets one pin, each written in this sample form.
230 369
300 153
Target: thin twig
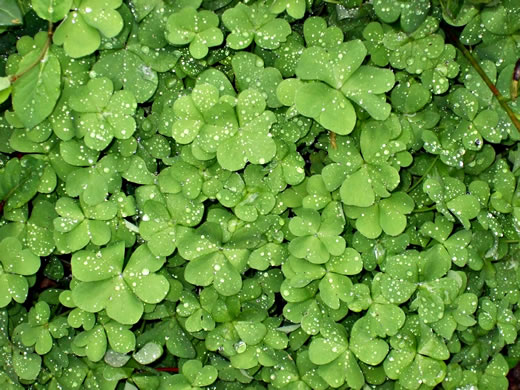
332 139
501 99
424 174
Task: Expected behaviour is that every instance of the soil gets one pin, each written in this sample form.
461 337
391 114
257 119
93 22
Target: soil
514 378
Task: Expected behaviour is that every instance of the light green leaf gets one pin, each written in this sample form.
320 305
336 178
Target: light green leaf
26 365
78 38
36 92
17 260
199 375
356 190
149 353
51 10
128 71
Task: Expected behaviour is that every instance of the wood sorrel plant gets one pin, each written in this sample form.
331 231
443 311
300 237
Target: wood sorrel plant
281 194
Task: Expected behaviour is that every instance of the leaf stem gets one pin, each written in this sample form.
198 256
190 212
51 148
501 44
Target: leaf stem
167 369
43 52
425 209
501 99
332 139
430 167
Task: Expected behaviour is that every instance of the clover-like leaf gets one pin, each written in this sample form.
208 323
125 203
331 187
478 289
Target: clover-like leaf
81 31
259 198
104 114
93 185
121 292
475 126
374 34
411 17
26 365
199 29
161 216
200 118
454 245
208 263
255 22
340 67
416 356
39 331
365 344
77 226
149 353
250 73
93 343
317 33
16 263
253 141
11 15
294 8
501 18
317 237
464 206
128 71
325 349
51 10
198 375
388 215
36 91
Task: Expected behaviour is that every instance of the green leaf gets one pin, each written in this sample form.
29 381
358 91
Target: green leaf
198 29
327 106
364 343
88 266
323 350
26 365
36 92
81 31
250 73
198 375
248 23
51 10
465 207
78 38
356 189
251 332
411 18
253 141
295 8
128 71
10 14
149 353
17 260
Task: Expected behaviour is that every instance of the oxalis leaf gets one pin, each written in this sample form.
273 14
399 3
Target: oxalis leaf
340 68
248 23
16 262
37 90
81 31
198 29
104 284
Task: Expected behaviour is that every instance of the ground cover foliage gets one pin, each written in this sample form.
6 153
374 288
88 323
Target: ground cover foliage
282 194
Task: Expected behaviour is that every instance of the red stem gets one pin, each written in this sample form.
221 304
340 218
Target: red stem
167 369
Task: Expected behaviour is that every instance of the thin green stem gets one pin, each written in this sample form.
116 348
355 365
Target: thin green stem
425 209
424 174
511 241
501 99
